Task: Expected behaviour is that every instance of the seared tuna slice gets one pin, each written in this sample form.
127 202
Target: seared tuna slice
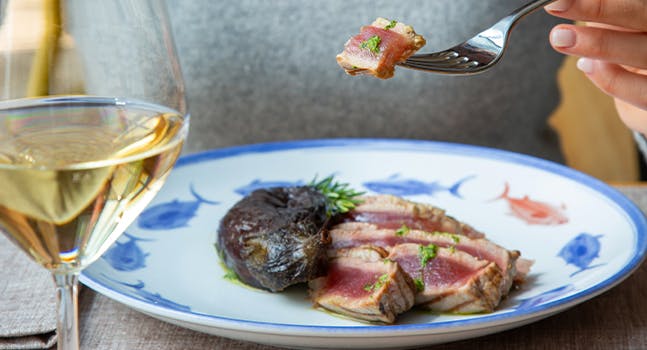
523 268
450 280
387 211
367 252
353 234
362 284
378 48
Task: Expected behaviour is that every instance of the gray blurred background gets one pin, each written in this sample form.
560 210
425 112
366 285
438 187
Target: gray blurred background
259 71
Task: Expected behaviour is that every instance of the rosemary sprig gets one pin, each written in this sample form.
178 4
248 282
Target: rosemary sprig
341 198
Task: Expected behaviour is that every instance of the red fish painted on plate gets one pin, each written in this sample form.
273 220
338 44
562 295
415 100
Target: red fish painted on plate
534 212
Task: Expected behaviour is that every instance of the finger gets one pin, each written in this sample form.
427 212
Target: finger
627 48
616 81
634 117
608 26
625 13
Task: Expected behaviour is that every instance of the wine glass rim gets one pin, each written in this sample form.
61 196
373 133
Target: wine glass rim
35 102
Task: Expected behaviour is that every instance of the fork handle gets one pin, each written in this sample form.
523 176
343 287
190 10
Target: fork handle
519 13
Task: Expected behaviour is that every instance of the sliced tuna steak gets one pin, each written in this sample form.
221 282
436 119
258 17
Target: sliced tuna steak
362 284
353 234
387 211
450 280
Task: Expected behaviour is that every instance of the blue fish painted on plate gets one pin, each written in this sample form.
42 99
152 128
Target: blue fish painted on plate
170 215
155 298
581 251
258 184
398 186
544 297
127 256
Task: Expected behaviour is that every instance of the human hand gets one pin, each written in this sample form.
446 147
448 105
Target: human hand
613 47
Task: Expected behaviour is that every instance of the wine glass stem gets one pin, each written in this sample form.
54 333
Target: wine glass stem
67 322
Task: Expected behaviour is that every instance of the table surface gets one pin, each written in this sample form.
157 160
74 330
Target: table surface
614 320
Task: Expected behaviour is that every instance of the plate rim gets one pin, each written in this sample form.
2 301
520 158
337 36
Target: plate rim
635 215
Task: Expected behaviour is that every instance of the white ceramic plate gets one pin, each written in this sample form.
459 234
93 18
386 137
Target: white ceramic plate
584 236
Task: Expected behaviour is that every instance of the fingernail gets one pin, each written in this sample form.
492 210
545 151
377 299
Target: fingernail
559 5
585 65
562 37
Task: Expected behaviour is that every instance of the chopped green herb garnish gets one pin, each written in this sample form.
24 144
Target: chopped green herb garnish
381 281
403 230
231 276
391 25
452 249
339 196
426 253
420 284
372 44
456 238
387 260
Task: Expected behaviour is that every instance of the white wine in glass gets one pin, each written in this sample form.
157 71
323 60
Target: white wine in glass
92 119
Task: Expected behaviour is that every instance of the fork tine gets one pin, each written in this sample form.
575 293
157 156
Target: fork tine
420 66
464 65
457 61
434 57
451 62
468 64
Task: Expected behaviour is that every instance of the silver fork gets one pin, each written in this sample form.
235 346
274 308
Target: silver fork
477 54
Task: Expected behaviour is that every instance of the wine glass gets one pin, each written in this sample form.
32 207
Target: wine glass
92 119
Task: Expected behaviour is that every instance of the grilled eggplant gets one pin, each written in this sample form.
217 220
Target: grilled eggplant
276 237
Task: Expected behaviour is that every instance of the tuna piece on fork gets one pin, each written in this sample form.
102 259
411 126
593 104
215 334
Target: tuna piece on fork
379 47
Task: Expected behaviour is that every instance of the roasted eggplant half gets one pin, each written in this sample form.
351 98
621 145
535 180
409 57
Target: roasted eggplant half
276 237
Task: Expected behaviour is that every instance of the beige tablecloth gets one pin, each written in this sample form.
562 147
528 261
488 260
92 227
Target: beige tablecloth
616 319
27 301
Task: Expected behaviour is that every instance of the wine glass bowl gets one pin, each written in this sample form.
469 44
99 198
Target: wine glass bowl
79 169
92 119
